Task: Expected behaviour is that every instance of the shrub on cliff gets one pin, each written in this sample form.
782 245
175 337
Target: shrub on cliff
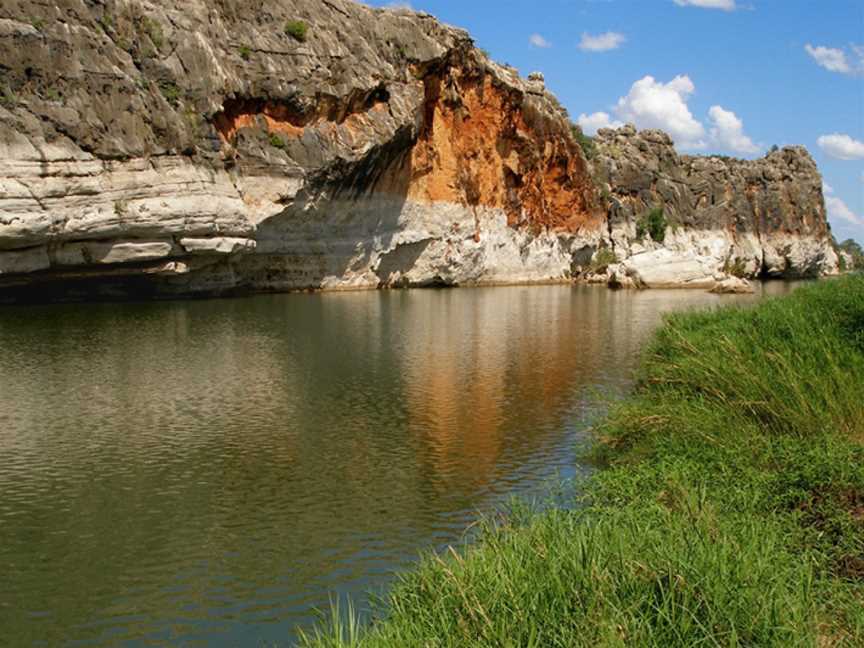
653 224
602 260
297 29
736 267
8 99
276 141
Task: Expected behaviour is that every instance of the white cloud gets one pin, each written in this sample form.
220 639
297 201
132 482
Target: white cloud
837 60
651 104
654 104
538 41
841 147
728 131
602 42
829 58
838 210
595 121
725 5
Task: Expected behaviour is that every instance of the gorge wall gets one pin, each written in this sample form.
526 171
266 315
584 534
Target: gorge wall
207 146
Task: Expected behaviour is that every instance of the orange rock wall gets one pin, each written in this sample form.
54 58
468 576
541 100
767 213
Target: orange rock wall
476 146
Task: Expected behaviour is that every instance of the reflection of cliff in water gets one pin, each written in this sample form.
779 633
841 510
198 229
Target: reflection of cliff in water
239 460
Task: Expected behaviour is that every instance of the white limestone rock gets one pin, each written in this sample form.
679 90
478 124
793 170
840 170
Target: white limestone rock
218 245
664 268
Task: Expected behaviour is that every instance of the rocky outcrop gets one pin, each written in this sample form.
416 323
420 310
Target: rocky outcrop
717 216
206 146
733 286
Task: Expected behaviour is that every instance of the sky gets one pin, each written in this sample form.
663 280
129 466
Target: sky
720 76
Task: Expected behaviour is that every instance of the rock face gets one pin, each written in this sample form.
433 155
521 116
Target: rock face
720 216
205 146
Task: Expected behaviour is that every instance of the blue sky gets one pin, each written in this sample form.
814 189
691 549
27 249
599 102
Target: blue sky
725 76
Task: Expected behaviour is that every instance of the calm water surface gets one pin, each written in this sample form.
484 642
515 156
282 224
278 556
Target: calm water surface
210 473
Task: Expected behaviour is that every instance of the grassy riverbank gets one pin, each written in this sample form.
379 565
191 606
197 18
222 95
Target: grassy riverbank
730 510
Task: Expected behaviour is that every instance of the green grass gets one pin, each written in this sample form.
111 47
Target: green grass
729 510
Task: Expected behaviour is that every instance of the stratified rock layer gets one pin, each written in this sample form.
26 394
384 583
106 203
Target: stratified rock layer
202 146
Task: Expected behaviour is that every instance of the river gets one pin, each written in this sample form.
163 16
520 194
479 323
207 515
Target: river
209 473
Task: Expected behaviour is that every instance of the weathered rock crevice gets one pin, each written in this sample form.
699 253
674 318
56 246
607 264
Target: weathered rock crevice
293 117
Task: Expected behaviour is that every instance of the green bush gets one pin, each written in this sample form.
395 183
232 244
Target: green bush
297 29
8 99
276 141
154 31
602 260
736 267
653 224
853 249
52 94
170 91
587 143
106 22
245 52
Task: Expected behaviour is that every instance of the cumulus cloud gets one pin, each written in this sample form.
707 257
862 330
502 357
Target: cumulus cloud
652 104
849 62
839 210
538 41
728 131
595 121
841 146
601 42
725 5
829 58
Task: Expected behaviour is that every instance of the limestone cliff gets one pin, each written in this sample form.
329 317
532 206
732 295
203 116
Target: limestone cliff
760 218
205 146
